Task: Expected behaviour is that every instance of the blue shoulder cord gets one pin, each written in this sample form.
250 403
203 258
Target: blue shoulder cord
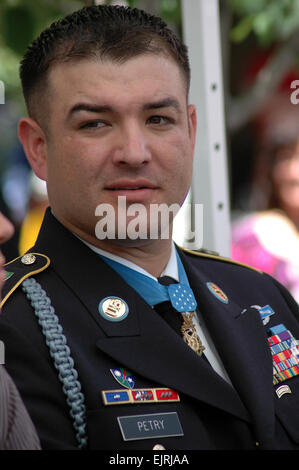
60 353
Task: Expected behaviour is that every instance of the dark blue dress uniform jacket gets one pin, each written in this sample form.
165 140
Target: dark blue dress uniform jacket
212 413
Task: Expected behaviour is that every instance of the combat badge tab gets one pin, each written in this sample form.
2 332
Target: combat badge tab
20 269
285 353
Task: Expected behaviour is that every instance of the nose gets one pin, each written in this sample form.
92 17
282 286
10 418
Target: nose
6 229
132 148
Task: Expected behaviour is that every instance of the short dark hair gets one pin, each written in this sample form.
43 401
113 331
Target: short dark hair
115 32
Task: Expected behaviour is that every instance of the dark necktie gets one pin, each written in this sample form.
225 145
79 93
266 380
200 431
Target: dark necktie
166 310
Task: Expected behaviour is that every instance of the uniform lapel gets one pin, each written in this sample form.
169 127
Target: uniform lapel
159 354
241 342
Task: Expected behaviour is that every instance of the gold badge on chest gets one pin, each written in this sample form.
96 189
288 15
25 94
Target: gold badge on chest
189 334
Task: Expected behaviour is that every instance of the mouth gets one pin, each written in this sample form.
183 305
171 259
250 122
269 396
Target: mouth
137 190
128 188
130 185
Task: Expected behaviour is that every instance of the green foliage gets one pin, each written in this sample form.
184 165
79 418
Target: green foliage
171 12
132 3
20 22
17 27
269 20
9 63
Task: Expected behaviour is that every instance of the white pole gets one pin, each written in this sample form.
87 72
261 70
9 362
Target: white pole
210 181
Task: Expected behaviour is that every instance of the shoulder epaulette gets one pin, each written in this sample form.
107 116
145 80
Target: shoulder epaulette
19 269
219 258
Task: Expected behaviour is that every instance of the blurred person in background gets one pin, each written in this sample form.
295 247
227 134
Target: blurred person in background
16 429
37 204
268 238
14 195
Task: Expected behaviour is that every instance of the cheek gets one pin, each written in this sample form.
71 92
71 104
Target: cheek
178 165
71 162
177 151
286 170
184 161
280 172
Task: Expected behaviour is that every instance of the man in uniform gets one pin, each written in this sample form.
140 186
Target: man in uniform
129 342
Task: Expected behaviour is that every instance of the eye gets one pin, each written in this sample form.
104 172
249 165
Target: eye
93 125
160 120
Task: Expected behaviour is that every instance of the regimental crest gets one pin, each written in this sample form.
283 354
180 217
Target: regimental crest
190 335
123 377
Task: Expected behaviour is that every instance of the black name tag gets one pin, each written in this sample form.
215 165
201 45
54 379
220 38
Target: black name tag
150 426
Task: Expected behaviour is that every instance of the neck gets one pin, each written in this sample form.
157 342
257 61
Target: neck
152 257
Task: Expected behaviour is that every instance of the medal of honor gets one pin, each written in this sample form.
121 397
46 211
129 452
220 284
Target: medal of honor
189 334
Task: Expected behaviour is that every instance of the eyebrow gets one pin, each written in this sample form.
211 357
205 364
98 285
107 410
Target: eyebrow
91 108
165 103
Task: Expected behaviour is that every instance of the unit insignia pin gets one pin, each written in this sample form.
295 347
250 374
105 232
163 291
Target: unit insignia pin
113 309
217 292
123 377
28 259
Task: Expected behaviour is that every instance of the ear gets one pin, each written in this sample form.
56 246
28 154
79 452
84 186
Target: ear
192 123
34 143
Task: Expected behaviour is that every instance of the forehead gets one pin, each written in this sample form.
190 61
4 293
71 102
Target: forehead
134 81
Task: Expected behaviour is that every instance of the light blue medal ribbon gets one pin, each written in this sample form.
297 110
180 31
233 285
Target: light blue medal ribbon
180 294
